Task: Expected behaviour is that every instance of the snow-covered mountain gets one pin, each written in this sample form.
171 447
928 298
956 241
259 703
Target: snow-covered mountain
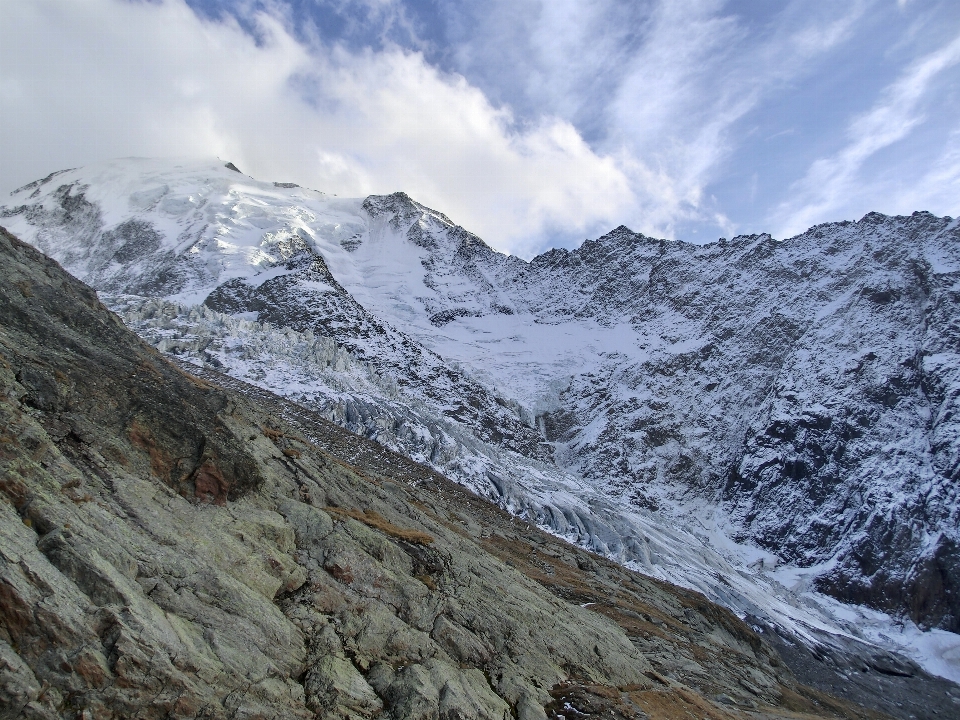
690 410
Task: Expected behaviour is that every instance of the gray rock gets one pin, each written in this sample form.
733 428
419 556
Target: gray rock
334 683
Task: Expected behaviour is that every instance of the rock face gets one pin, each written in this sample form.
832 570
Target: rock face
814 396
804 390
169 548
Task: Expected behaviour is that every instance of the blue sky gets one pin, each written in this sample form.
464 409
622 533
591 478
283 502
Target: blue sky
534 124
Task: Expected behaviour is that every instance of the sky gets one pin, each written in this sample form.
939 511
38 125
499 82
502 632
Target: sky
532 123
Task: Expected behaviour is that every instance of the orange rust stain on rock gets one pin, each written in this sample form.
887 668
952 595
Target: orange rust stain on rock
90 669
15 614
209 485
160 462
343 574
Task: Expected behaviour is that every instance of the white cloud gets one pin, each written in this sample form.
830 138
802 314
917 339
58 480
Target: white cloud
938 189
671 110
698 73
835 184
81 82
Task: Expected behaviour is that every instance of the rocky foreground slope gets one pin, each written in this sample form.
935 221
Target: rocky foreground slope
169 548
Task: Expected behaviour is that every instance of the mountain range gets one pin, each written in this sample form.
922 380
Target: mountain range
769 422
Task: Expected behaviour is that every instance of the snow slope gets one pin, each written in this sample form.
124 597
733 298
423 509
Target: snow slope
709 414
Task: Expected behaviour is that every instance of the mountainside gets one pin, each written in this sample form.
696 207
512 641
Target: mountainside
645 398
169 548
808 385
